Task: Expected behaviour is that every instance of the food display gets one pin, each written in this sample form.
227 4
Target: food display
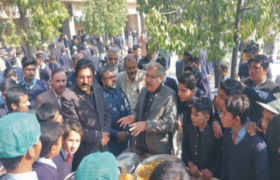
146 170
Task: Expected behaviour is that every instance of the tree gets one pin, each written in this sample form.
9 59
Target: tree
39 19
216 25
102 17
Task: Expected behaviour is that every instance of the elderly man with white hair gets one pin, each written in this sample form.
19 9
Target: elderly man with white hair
153 119
113 61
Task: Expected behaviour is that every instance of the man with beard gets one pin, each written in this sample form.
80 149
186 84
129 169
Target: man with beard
85 103
113 59
132 80
119 107
58 81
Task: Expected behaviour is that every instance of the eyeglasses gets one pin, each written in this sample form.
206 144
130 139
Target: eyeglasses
113 59
152 77
110 77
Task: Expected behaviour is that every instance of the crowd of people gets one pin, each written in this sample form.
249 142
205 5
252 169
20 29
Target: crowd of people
78 104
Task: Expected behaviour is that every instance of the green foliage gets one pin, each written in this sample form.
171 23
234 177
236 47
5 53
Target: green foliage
42 19
193 24
104 16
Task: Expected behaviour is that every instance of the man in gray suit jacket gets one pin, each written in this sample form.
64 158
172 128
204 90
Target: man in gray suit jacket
85 103
58 80
154 115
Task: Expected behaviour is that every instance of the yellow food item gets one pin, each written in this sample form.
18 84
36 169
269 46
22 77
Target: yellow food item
147 169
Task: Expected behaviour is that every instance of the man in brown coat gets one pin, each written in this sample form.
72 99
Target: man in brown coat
85 103
58 80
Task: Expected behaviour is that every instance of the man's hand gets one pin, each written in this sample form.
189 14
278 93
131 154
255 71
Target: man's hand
206 174
209 77
1 173
194 170
138 127
217 129
122 136
179 124
126 120
252 128
105 138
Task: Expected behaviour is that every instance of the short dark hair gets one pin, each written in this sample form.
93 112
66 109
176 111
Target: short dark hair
189 80
170 170
46 112
10 72
107 47
26 61
40 56
193 69
84 63
130 51
50 133
6 84
238 105
11 163
231 87
18 53
77 57
135 47
162 61
263 59
187 53
57 70
273 132
74 36
52 57
194 59
224 65
13 94
72 125
203 104
13 61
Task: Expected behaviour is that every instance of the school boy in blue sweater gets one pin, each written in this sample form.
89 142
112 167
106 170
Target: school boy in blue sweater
244 156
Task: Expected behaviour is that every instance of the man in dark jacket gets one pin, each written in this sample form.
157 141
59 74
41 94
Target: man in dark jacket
65 60
85 103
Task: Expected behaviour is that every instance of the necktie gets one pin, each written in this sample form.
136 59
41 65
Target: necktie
234 137
68 158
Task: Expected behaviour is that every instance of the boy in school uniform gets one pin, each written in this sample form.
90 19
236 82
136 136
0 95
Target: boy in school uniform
273 133
71 140
244 156
201 151
21 146
51 138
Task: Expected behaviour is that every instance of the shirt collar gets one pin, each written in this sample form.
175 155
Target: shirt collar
55 94
47 161
261 83
242 132
23 176
43 66
32 83
64 154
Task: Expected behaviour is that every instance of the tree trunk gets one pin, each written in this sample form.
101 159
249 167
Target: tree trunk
236 41
26 27
217 67
106 37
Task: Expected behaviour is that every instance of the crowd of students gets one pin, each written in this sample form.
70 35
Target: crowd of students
46 133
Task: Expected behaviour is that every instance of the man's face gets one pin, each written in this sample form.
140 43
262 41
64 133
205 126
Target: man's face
23 105
39 62
152 79
19 56
72 142
138 52
184 93
193 63
186 58
131 68
113 60
256 71
227 118
59 82
52 61
109 80
84 79
220 99
29 72
224 72
198 118
267 115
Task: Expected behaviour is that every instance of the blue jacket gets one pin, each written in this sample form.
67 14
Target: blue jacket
65 61
20 74
54 66
179 67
